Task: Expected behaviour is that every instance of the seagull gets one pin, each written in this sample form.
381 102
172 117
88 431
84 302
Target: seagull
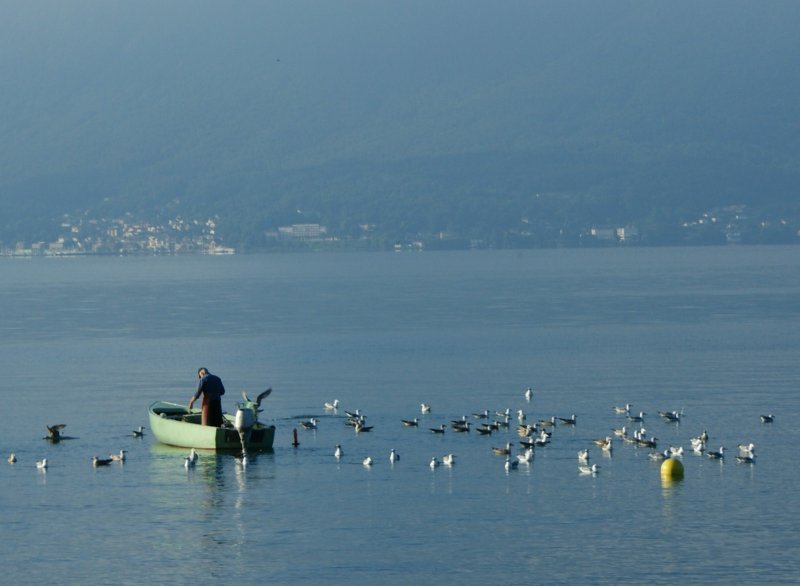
393 456
332 406
448 460
367 462
506 451
528 394
525 457
118 457
767 418
42 464
717 455
511 464
671 416
310 424
424 408
337 453
410 422
588 469
747 449
12 458
434 463
54 432
138 432
439 429
461 426
260 397
100 461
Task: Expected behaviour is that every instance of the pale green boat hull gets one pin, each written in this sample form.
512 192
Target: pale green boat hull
175 425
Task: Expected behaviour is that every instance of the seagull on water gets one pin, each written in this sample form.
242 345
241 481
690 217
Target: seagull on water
506 451
526 456
54 432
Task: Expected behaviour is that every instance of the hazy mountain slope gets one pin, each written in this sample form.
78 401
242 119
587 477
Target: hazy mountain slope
370 111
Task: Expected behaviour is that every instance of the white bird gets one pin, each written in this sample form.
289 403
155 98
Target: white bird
332 406
434 463
623 410
119 457
367 462
12 458
525 457
448 460
424 408
337 453
528 394
747 449
42 464
588 469
393 456
583 455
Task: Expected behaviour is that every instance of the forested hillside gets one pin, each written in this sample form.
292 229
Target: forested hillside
484 121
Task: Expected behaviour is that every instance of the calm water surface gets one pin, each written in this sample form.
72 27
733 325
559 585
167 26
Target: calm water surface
90 342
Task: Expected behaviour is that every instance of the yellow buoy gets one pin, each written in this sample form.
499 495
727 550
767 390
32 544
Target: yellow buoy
671 469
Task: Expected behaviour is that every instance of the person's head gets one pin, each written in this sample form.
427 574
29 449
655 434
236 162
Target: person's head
202 371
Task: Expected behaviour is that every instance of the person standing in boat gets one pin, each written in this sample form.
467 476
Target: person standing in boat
212 389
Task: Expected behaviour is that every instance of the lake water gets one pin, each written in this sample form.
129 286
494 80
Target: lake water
712 332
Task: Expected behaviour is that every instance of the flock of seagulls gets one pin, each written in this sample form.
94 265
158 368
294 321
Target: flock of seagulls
55 435
538 435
